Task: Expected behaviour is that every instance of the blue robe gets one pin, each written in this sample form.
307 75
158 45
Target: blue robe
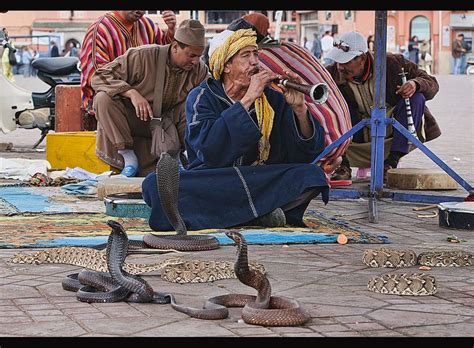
220 188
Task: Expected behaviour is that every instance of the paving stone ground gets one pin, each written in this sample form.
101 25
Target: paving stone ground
329 280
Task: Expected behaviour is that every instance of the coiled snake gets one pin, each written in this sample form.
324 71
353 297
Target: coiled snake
415 284
117 284
167 181
262 309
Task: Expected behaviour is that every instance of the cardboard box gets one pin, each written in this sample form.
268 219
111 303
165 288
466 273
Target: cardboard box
74 149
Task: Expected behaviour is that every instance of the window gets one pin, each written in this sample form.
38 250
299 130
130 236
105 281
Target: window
155 12
223 17
310 16
420 26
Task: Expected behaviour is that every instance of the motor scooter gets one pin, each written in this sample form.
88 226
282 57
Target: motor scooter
25 109
470 64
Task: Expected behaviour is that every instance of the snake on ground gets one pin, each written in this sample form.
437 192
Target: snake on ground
117 284
411 284
167 181
262 309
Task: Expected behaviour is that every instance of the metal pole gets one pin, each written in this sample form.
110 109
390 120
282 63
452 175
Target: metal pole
378 114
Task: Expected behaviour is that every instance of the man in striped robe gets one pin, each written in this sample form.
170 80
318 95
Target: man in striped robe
111 36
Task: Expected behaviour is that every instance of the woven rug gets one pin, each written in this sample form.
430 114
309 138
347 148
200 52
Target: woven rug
21 199
87 229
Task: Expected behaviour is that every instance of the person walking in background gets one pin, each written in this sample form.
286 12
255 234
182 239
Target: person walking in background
19 61
425 57
73 50
35 55
371 43
414 50
27 58
458 52
111 36
54 50
308 44
326 44
404 52
316 49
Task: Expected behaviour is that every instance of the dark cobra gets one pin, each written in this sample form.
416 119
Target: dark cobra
167 180
263 309
116 285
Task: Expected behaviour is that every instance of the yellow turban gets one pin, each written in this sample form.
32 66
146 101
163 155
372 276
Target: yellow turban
225 45
222 48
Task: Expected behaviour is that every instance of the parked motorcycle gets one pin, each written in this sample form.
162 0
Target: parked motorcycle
25 109
470 64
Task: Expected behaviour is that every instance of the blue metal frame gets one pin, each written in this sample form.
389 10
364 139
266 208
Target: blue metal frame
398 126
378 122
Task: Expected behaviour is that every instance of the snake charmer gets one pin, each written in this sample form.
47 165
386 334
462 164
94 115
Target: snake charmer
249 146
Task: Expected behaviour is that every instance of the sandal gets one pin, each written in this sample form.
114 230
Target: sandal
342 173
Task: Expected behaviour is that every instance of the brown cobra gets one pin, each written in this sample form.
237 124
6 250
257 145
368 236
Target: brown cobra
167 180
263 309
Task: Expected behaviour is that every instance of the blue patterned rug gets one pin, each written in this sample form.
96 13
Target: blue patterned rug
87 229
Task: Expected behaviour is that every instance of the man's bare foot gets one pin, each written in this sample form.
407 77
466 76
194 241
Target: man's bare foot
330 166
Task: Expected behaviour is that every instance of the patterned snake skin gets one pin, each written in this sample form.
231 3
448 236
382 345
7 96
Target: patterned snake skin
403 284
386 257
174 269
410 284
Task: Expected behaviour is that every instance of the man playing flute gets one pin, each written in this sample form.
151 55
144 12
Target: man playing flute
249 146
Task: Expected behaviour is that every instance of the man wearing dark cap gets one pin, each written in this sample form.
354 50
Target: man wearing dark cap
133 97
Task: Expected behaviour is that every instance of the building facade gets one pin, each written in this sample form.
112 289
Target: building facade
440 28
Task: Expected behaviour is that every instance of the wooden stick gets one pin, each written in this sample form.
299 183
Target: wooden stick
426 207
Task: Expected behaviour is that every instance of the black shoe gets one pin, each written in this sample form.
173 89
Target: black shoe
391 162
276 218
342 173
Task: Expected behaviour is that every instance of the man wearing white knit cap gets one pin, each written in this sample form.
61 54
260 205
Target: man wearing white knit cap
249 146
